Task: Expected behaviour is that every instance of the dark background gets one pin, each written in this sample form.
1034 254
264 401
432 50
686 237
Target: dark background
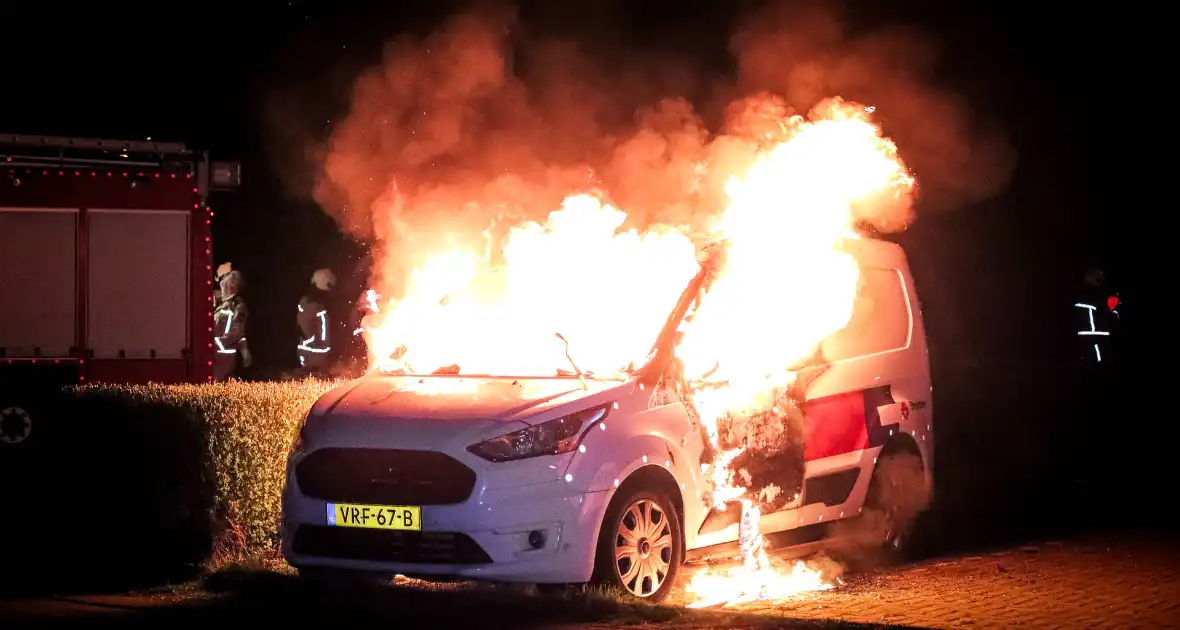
1016 397
998 278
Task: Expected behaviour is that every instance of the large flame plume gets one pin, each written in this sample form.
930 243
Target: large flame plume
785 286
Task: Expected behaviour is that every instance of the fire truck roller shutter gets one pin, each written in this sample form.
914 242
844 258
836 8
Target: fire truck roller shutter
37 274
138 297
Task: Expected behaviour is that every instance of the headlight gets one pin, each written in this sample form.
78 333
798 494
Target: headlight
548 438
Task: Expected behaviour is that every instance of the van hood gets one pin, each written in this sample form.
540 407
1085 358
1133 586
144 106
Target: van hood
461 398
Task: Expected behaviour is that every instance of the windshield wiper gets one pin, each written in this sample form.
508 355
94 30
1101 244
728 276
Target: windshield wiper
569 358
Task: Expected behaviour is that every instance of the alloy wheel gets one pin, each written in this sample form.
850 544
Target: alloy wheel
643 547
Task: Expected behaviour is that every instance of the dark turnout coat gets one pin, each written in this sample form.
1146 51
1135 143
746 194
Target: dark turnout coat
315 330
229 337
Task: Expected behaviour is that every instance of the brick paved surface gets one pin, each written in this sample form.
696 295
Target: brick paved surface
1115 582
1110 582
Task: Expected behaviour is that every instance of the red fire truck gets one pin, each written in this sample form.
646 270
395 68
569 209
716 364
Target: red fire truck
105 264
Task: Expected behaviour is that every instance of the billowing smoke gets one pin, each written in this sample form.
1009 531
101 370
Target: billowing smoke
469 131
805 52
475 125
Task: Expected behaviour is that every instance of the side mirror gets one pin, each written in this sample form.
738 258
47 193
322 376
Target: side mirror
225 175
219 176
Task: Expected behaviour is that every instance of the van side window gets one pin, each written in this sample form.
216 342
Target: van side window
880 319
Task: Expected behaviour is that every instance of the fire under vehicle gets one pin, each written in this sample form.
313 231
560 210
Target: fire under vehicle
564 479
105 267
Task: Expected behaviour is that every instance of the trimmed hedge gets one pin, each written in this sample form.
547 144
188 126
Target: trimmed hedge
245 431
141 478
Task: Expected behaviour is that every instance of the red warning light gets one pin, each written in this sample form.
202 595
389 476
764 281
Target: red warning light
1112 302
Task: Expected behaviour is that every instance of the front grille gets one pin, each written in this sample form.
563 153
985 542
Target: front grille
388 546
384 477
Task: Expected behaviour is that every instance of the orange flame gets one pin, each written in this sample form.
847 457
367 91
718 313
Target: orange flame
606 291
785 287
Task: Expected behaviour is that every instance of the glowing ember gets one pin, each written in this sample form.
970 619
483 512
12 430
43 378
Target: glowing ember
785 285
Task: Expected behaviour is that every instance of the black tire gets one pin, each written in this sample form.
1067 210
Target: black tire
897 495
882 535
648 573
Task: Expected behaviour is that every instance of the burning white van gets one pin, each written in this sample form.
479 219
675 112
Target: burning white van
621 479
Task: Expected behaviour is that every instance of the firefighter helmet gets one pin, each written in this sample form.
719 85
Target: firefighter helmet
323 279
232 284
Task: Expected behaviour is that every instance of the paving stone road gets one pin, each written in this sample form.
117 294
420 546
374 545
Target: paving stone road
1109 582
1118 582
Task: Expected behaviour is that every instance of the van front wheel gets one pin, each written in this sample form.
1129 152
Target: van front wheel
640 545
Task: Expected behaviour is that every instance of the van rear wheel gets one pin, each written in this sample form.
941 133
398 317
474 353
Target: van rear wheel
881 535
897 496
640 545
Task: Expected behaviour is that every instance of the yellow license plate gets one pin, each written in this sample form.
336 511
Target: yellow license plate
399 517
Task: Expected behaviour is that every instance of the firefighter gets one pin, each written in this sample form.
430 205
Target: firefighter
356 352
314 348
1096 315
229 329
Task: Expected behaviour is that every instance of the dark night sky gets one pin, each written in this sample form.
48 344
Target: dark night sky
208 74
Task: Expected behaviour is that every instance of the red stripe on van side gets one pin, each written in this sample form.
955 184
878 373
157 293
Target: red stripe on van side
835 425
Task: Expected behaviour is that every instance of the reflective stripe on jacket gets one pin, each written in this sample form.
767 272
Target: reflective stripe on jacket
229 326
313 327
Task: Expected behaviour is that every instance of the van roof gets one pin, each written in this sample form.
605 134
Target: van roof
877 251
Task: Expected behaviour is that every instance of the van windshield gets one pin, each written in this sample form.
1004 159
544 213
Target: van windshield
562 368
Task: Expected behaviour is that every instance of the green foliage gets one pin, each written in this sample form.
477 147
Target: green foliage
214 455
